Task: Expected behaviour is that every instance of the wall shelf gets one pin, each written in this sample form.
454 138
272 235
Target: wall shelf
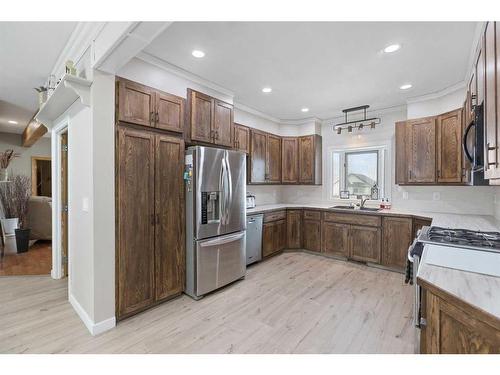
69 90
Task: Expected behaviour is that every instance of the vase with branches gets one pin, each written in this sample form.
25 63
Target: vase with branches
5 158
14 198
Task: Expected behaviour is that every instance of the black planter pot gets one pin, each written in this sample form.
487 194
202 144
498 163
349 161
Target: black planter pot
22 240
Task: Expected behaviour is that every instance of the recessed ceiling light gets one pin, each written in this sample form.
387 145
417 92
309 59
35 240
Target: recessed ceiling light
405 87
305 109
12 122
197 53
392 48
267 90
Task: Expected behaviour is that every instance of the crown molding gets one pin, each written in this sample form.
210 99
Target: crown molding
146 57
438 94
78 43
301 121
256 112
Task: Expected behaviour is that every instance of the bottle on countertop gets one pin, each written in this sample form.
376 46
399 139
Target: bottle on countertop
388 204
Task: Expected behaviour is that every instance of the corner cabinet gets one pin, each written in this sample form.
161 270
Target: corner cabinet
265 158
150 219
429 150
210 120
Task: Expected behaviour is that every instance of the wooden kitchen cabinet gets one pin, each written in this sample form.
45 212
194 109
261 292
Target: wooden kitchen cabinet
210 120
294 229
290 160
364 243
335 239
273 159
241 138
273 237
421 152
311 233
449 147
453 327
150 209
397 236
142 105
401 150
310 159
265 158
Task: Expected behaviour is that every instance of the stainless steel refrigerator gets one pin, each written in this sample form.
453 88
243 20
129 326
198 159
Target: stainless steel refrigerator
215 218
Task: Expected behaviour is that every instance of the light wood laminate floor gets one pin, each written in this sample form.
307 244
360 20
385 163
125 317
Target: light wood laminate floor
292 303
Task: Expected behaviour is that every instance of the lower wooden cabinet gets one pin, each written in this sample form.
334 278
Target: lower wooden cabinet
451 328
397 235
335 239
273 237
364 243
150 253
294 229
311 233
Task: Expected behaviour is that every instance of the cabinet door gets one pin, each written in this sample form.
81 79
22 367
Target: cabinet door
490 103
136 103
294 229
311 234
280 235
169 112
268 238
135 206
273 160
364 243
401 148
396 238
335 239
422 150
290 160
223 123
480 73
201 108
306 159
241 138
449 147
258 153
169 210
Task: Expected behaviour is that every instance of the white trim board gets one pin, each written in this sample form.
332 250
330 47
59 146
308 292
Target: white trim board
94 328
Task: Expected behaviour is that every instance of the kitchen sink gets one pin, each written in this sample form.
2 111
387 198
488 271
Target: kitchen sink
360 209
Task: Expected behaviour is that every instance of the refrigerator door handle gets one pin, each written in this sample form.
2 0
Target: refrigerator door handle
223 240
222 198
229 184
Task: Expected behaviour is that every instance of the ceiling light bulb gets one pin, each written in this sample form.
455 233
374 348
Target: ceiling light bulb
392 48
339 130
198 54
12 122
305 109
405 87
267 90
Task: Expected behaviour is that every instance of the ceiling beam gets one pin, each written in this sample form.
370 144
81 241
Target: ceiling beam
32 133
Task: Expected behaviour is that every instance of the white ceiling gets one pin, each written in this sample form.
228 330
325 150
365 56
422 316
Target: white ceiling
28 52
325 66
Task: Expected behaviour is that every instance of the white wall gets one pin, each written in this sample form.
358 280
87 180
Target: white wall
22 164
431 105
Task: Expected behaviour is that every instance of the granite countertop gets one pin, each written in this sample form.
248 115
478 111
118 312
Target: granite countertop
479 291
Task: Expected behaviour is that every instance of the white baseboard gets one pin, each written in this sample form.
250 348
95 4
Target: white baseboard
94 328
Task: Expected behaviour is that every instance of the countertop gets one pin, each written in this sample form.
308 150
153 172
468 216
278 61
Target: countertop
479 291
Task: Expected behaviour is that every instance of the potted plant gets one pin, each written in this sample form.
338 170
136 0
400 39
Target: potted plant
14 197
5 159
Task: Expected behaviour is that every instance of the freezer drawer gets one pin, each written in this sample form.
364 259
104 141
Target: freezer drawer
219 261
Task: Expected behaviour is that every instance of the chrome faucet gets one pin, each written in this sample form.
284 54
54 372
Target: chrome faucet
362 200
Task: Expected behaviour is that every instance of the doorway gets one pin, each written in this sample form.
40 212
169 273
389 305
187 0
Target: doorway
41 176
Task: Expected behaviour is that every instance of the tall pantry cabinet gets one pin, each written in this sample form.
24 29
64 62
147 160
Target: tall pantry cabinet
150 235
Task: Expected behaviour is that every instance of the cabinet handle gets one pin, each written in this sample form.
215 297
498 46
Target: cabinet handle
151 117
216 134
157 117
488 149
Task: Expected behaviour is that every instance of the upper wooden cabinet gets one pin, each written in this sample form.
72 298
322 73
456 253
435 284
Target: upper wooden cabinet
209 120
421 150
449 147
241 138
310 156
265 158
429 150
273 159
290 160
142 105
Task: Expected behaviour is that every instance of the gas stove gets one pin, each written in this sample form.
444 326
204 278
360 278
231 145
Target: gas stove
464 238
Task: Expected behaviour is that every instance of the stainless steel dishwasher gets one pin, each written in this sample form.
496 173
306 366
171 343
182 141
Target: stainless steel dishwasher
254 238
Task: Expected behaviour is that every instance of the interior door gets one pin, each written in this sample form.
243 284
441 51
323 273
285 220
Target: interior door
201 117
258 154
223 123
169 210
422 150
449 152
170 112
136 221
136 103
